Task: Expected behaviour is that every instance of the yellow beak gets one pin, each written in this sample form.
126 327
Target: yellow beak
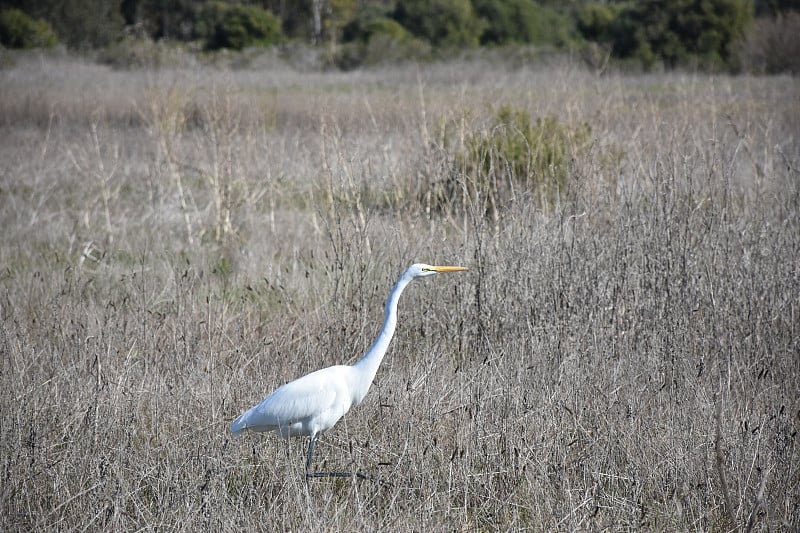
441 269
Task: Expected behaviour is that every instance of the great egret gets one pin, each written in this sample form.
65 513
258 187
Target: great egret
313 403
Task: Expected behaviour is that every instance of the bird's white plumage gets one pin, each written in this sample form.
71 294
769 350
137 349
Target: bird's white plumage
307 405
315 402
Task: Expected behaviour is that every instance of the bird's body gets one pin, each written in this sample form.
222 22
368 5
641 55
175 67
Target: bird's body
303 407
313 403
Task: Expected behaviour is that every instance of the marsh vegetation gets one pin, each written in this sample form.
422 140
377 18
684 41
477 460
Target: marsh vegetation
178 242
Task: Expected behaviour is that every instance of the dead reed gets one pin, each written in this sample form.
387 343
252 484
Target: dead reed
179 242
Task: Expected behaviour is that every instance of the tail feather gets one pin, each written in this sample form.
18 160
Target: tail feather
239 425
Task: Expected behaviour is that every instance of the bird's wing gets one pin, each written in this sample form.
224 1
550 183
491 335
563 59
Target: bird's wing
295 402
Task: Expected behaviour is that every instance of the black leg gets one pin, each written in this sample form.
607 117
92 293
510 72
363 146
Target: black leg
310 474
310 452
309 456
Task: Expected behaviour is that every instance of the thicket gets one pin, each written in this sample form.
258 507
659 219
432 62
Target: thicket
514 154
523 22
373 36
449 23
674 32
18 30
80 24
223 25
715 34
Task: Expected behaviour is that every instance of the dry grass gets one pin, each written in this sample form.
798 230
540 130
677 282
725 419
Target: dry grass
176 243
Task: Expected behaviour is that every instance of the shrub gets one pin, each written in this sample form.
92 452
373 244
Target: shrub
447 23
386 27
374 38
522 21
675 32
372 22
237 26
693 29
596 21
85 24
18 30
133 53
516 154
338 15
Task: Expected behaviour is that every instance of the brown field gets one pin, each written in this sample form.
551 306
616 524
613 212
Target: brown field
176 243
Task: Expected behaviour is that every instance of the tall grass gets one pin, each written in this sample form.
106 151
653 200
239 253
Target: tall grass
177 243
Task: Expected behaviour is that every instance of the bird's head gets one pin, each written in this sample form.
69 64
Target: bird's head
421 270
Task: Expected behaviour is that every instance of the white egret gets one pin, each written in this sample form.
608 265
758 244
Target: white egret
313 403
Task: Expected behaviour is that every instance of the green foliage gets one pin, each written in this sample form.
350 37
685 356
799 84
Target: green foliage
704 33
235 26
522 21
445 23
515 154
596 21
87 24
385 43
532 153
374 38
371 23
385 27
162 19
674 32
18 30
339 14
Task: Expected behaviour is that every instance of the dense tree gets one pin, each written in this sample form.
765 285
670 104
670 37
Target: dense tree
237 26
679 30
448 23
78 23
295 16
596 21
19 30
371 21
671 31
165 19
337 16
521 21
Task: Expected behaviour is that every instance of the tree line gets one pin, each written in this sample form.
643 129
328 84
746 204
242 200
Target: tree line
669 32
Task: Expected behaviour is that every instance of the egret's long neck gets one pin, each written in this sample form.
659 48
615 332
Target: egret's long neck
367 367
